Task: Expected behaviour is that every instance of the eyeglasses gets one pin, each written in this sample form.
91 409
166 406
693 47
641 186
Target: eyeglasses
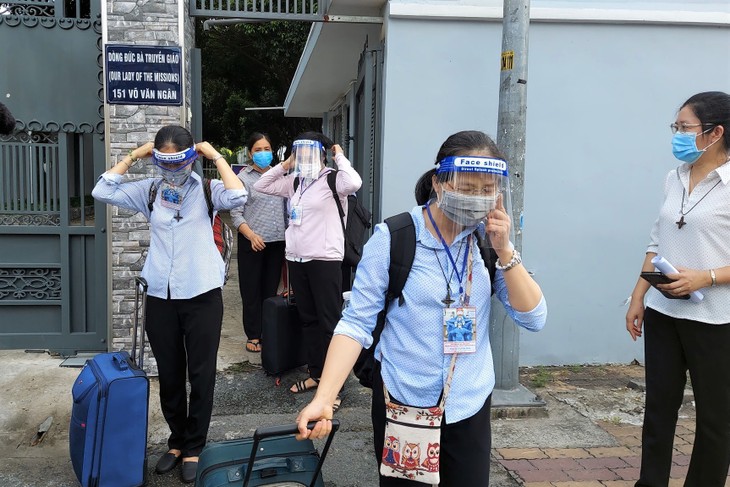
682 127
472 191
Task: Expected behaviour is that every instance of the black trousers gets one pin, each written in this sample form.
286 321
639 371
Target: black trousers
317 287
465 446
184 335
673 346
259 274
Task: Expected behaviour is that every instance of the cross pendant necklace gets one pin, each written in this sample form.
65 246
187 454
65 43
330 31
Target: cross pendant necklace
681 221
178 217
448 300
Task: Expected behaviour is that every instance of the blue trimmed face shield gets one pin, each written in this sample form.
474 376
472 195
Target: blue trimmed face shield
175 167
469 187
308 155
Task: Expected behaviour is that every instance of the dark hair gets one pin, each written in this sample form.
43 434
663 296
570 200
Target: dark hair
712 108
7 121
463 143
173 136
318 136
255 137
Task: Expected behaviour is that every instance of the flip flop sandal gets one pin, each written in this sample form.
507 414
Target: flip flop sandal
252 346
301 385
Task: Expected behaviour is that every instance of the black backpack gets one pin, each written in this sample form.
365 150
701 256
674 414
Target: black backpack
402 253
358 221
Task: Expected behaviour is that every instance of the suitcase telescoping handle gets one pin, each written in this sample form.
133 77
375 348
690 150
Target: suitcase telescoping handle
290 429
140 308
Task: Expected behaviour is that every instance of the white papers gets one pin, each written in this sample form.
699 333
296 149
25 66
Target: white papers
666 268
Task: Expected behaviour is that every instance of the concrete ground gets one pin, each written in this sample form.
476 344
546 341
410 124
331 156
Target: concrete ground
590 436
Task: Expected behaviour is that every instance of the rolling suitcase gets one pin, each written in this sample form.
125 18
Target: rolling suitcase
281 335
108 430
276 457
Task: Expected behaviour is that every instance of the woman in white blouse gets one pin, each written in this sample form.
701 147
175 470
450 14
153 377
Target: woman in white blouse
692 232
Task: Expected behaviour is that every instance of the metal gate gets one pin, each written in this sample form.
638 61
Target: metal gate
368 127
53 282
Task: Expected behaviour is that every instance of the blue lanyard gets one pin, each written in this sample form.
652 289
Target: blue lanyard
448 252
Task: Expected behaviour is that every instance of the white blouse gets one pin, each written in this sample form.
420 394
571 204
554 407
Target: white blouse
703 242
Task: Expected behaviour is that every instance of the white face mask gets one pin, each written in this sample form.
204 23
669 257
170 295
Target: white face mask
464 209
310 170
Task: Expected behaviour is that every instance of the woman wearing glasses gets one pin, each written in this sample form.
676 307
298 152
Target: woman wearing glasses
692 232
435 341
185 273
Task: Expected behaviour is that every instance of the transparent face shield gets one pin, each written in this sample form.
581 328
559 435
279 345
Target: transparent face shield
308 155
174 167
468 188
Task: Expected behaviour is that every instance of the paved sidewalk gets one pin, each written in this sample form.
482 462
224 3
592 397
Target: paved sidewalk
600 394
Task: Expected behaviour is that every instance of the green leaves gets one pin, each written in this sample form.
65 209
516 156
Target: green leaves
250 65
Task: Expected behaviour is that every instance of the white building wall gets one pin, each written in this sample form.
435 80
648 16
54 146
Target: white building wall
600 99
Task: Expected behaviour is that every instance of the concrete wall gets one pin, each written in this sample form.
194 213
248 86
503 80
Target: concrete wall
150 23
600 99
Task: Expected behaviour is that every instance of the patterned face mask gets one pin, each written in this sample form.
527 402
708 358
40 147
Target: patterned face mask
175 167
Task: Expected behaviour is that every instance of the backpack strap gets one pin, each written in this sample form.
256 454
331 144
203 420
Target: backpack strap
402 253
489 256
208 198
152 196
332 182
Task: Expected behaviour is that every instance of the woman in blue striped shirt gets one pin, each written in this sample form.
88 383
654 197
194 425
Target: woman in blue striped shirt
413 358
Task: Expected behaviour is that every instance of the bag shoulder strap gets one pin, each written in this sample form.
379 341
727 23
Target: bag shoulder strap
402 252
208 198
332 182
152 196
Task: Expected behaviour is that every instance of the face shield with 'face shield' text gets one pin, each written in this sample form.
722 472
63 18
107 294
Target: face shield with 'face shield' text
471 187
308 156
174 167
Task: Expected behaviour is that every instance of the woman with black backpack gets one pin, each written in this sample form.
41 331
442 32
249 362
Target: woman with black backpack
434 376
315 243
185 272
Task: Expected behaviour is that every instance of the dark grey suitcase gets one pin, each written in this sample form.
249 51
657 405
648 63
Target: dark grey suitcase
273 457
281 336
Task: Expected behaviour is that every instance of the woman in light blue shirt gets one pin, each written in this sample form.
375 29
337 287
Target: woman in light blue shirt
185 272
414 355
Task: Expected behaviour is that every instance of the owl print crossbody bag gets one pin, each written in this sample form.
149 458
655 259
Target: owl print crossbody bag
411 448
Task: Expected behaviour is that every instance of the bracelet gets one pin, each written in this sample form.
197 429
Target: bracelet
132 158
514 262
713 277
218 156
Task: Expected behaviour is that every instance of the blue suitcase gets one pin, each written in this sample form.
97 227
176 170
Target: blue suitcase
278 459
108 430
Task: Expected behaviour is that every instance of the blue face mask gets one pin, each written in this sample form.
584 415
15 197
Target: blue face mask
684 146
263 159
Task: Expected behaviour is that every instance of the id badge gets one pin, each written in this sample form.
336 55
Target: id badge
460 330
171 197
295 215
